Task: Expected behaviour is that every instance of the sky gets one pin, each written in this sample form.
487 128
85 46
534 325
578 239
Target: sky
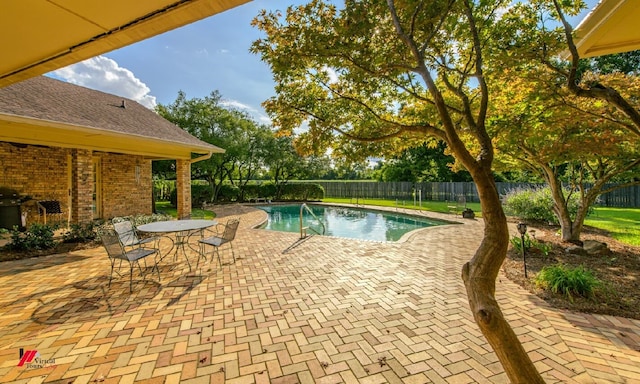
208 55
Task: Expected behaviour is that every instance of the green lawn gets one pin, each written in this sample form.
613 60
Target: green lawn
433 206
623 224
166 208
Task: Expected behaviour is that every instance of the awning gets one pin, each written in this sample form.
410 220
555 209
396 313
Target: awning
39 36
611 27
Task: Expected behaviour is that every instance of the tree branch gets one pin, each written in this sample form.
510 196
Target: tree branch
596 91
483 136
452 138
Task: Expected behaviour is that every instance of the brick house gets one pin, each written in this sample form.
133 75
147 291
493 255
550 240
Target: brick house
89 150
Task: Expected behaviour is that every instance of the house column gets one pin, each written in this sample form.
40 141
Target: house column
81 186
183 186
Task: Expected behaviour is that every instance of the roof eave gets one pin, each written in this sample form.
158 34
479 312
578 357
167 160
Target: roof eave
25 130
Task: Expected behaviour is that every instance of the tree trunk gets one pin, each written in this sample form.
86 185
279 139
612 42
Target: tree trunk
479 275
560 207
581 215
566 224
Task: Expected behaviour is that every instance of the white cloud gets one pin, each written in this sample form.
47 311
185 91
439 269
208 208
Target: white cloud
104 74
258 115
333 75
304 127
501 11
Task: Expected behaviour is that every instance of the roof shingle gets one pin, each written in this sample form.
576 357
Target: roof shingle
54 100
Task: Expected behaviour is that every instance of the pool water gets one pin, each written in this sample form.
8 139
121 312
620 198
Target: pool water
345 222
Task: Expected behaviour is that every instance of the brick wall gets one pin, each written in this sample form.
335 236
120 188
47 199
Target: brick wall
39 172
183 184
81 186
125 189
43 174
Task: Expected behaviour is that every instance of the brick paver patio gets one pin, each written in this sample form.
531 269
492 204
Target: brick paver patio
323 310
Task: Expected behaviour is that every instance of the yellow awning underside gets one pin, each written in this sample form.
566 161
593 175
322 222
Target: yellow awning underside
612 27
39 36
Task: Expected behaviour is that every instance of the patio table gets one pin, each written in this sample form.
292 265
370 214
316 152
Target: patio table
183 230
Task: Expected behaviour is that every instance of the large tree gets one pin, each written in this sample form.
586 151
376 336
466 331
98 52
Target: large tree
284 162
390 74
577 145
545 36
423 163
207 119
251 153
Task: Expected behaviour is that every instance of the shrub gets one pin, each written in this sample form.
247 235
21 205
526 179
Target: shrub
80 233
37 236
138 220
302 192
568 281
529 243
268 189
516 243
251 191
536 204
203 193
200 194
314 192
228 192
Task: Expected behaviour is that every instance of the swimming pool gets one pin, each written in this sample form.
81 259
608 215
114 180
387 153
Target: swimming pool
347 222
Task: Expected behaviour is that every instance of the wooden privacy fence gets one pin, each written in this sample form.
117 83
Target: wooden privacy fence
628 197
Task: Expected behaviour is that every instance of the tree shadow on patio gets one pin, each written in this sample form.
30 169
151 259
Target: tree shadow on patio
13 267
616 330
187 282
81 301
91 299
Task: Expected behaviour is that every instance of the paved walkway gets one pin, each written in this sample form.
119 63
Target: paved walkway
323 310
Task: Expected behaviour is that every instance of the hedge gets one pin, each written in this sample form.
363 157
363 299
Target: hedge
201 194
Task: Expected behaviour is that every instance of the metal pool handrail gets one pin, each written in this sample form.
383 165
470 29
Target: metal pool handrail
303 230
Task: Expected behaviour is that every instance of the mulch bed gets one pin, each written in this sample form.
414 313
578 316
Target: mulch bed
61 247
619 271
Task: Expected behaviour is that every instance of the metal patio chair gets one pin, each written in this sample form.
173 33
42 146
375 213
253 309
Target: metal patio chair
128 235
117 252
225 234
461 205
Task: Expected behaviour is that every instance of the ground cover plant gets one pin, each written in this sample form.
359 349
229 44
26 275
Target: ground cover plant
42 240
568 281
612 276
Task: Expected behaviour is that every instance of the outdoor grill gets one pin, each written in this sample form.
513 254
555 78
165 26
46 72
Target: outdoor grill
10 211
